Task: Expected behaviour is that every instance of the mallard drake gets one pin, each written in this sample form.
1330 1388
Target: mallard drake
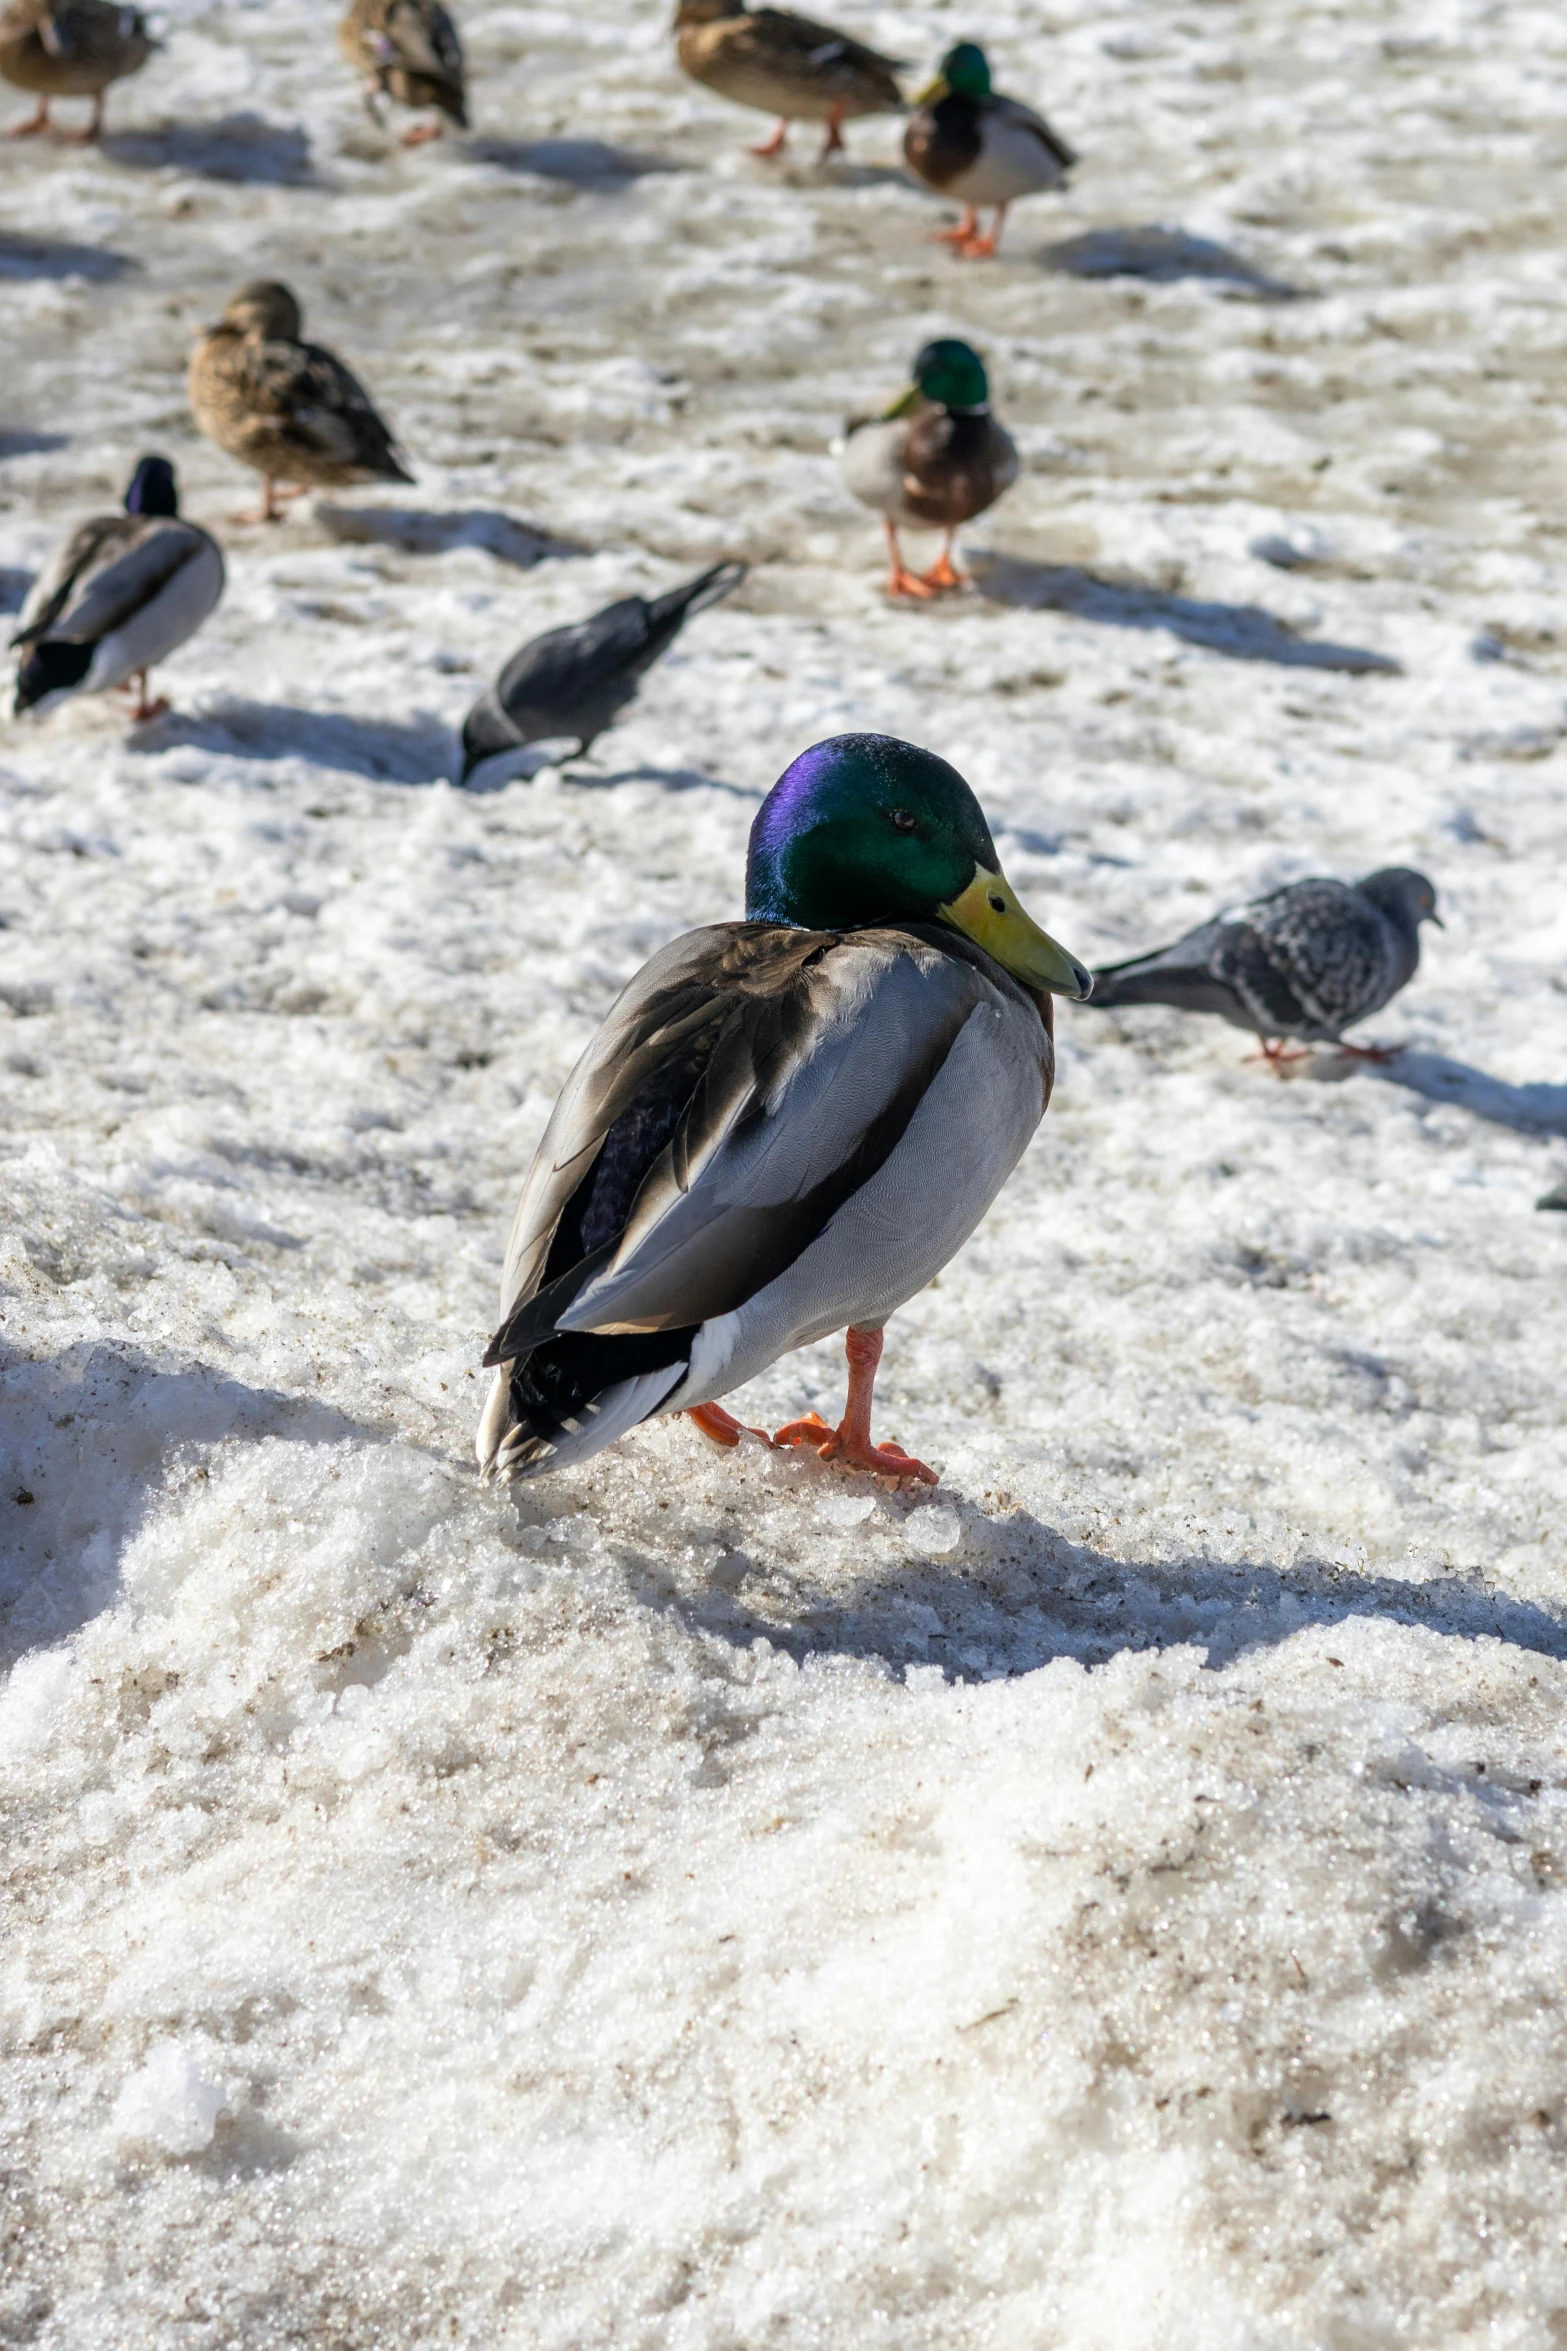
408 51
786 1126
122 593
1306 961
290 409
965 140
574 681
934 459
70 49
786 65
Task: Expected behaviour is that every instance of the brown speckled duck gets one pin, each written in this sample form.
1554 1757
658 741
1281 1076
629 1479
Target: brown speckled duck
70 49
288 408
408 51
785 65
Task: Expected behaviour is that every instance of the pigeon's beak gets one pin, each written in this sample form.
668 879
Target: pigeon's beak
988 912
904 405
1433 916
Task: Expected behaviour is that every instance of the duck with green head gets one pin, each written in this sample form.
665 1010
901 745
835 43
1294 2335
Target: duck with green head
934 459
786 1126
965 140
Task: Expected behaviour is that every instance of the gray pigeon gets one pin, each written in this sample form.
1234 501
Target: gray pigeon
1307 961
575 681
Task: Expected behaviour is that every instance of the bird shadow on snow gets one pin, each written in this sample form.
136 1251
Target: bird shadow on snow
432 531
1243 631
13 589
1528 1109
55 257
236 147
90 1435
586 163
1029 1595
385 750
1163 257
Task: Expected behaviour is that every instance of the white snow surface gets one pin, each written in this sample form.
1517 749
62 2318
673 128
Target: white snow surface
704 1901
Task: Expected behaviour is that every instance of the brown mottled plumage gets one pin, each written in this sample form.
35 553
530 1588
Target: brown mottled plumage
408 51
70 49
786 65
286 407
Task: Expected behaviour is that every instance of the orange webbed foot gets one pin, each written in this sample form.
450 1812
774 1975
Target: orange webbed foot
421 134
909 583
883 1461
721 1426
943 576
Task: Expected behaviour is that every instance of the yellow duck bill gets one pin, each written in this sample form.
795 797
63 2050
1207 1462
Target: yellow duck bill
989 913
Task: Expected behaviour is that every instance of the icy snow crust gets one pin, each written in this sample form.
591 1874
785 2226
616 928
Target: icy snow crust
709 1902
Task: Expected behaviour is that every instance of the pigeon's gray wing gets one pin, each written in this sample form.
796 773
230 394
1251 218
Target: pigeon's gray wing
1320 945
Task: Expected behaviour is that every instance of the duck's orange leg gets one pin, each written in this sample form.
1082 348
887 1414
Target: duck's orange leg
902 581
144 709
974 247
421 134
965 232
774 145
722 1426
275 496
850 1442
833 143
37 121
944 573
94 127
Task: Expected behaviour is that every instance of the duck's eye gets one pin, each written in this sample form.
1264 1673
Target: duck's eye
998 905
904 820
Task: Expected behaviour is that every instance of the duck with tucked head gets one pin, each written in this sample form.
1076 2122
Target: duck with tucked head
965 140
933 460
408 51
785 1127
786 65
122 594
70 49
290 409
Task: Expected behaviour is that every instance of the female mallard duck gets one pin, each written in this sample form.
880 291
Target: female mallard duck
786 1126
70 49
785 65
122 593
964 140
934 459
407 50
290 409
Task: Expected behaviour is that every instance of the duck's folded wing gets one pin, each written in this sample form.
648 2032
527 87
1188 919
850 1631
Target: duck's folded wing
318 403
425 39
1025 118
800 42
117 579
51 592
747 1084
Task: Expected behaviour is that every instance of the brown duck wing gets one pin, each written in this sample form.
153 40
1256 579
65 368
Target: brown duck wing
425 40
321 409
1026 119
777 39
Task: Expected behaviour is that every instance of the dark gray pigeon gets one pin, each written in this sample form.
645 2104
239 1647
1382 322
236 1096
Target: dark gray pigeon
1307 961
575 681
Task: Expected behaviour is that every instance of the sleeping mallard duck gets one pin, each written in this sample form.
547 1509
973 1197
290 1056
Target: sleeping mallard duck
965 140
574 681
934 459
408 51
786 1126
786 65
70 49
288 408
122 593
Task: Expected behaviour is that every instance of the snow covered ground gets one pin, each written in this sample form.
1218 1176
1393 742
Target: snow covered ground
1119 1899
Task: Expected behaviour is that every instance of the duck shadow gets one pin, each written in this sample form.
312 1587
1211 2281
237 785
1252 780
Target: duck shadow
239 147
56 257
25 444
434 531
1245 632
1163 257
585 163
1029 1595
385 750
1538 1109
13 589
89 1435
